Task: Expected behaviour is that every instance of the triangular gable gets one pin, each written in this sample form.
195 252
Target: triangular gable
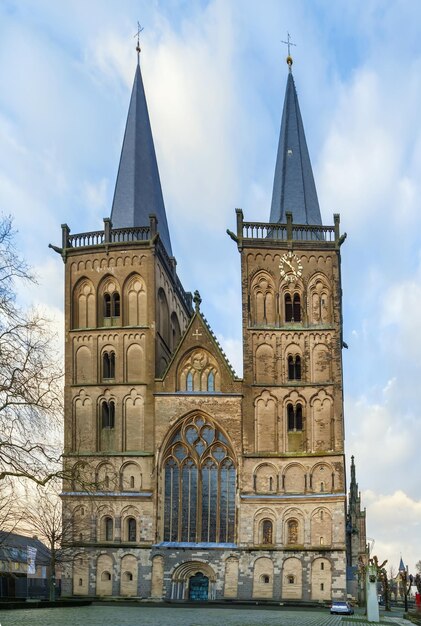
199 334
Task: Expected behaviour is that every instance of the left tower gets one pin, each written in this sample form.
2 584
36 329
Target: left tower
125 311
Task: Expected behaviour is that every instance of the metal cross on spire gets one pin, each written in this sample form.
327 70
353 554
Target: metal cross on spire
289 44
139 30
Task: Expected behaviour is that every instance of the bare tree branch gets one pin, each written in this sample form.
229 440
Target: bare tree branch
31 397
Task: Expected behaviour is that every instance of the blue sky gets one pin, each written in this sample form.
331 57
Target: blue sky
214 75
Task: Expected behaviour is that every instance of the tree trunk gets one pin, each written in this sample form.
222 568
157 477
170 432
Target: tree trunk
52 580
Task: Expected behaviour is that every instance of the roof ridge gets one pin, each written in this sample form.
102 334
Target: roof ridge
214 337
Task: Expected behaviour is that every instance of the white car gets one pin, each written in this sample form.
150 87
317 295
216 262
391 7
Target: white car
341 608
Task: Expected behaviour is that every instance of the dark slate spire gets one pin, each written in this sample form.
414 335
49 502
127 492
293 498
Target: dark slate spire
138 191
353 487
293 187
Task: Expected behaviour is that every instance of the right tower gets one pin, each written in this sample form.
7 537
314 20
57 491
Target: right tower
293 425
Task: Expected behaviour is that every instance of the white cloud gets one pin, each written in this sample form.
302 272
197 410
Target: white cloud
395 522
95 194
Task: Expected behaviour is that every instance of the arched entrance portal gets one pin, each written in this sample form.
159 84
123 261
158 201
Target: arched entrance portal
193 580
198 587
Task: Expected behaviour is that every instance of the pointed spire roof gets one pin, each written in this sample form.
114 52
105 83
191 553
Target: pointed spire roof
293 187
138 192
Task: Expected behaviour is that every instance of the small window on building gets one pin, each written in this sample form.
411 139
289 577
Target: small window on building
108 522
115 305
131 482
108 365
131 529
292 528
297 367
294 367
322 541
211 381
291 579
107 414
189 382
265 579
322 565
322 586
80 582
322 486
289 317
105 576
295 417
127 576
107 305
267 531
111 307
297 308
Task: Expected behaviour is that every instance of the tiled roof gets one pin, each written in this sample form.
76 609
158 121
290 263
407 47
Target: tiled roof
13 547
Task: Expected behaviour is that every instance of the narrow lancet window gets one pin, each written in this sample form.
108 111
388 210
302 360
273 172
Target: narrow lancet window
295 417
211 381
108 414
189 382
108 365
297 308
288 308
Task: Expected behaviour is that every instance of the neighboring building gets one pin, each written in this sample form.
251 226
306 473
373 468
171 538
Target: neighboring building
356 536
24 566
197 484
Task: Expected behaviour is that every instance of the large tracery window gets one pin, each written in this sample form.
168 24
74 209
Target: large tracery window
200 480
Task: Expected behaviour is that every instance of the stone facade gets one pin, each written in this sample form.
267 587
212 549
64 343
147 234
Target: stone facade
183 480
289 537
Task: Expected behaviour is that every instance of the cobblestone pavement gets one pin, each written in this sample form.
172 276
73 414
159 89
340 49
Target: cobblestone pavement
166 616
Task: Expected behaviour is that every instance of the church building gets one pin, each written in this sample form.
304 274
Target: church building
186 481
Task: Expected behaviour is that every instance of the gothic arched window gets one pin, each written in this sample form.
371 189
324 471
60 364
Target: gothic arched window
297 308
200 480
175 330
107 414
111 305
289 317
107 305
295 417
292 307
108 529
211 381
131 529
108 365
189 382
294 367
163 316
110 315
115 305
292 531
267 531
